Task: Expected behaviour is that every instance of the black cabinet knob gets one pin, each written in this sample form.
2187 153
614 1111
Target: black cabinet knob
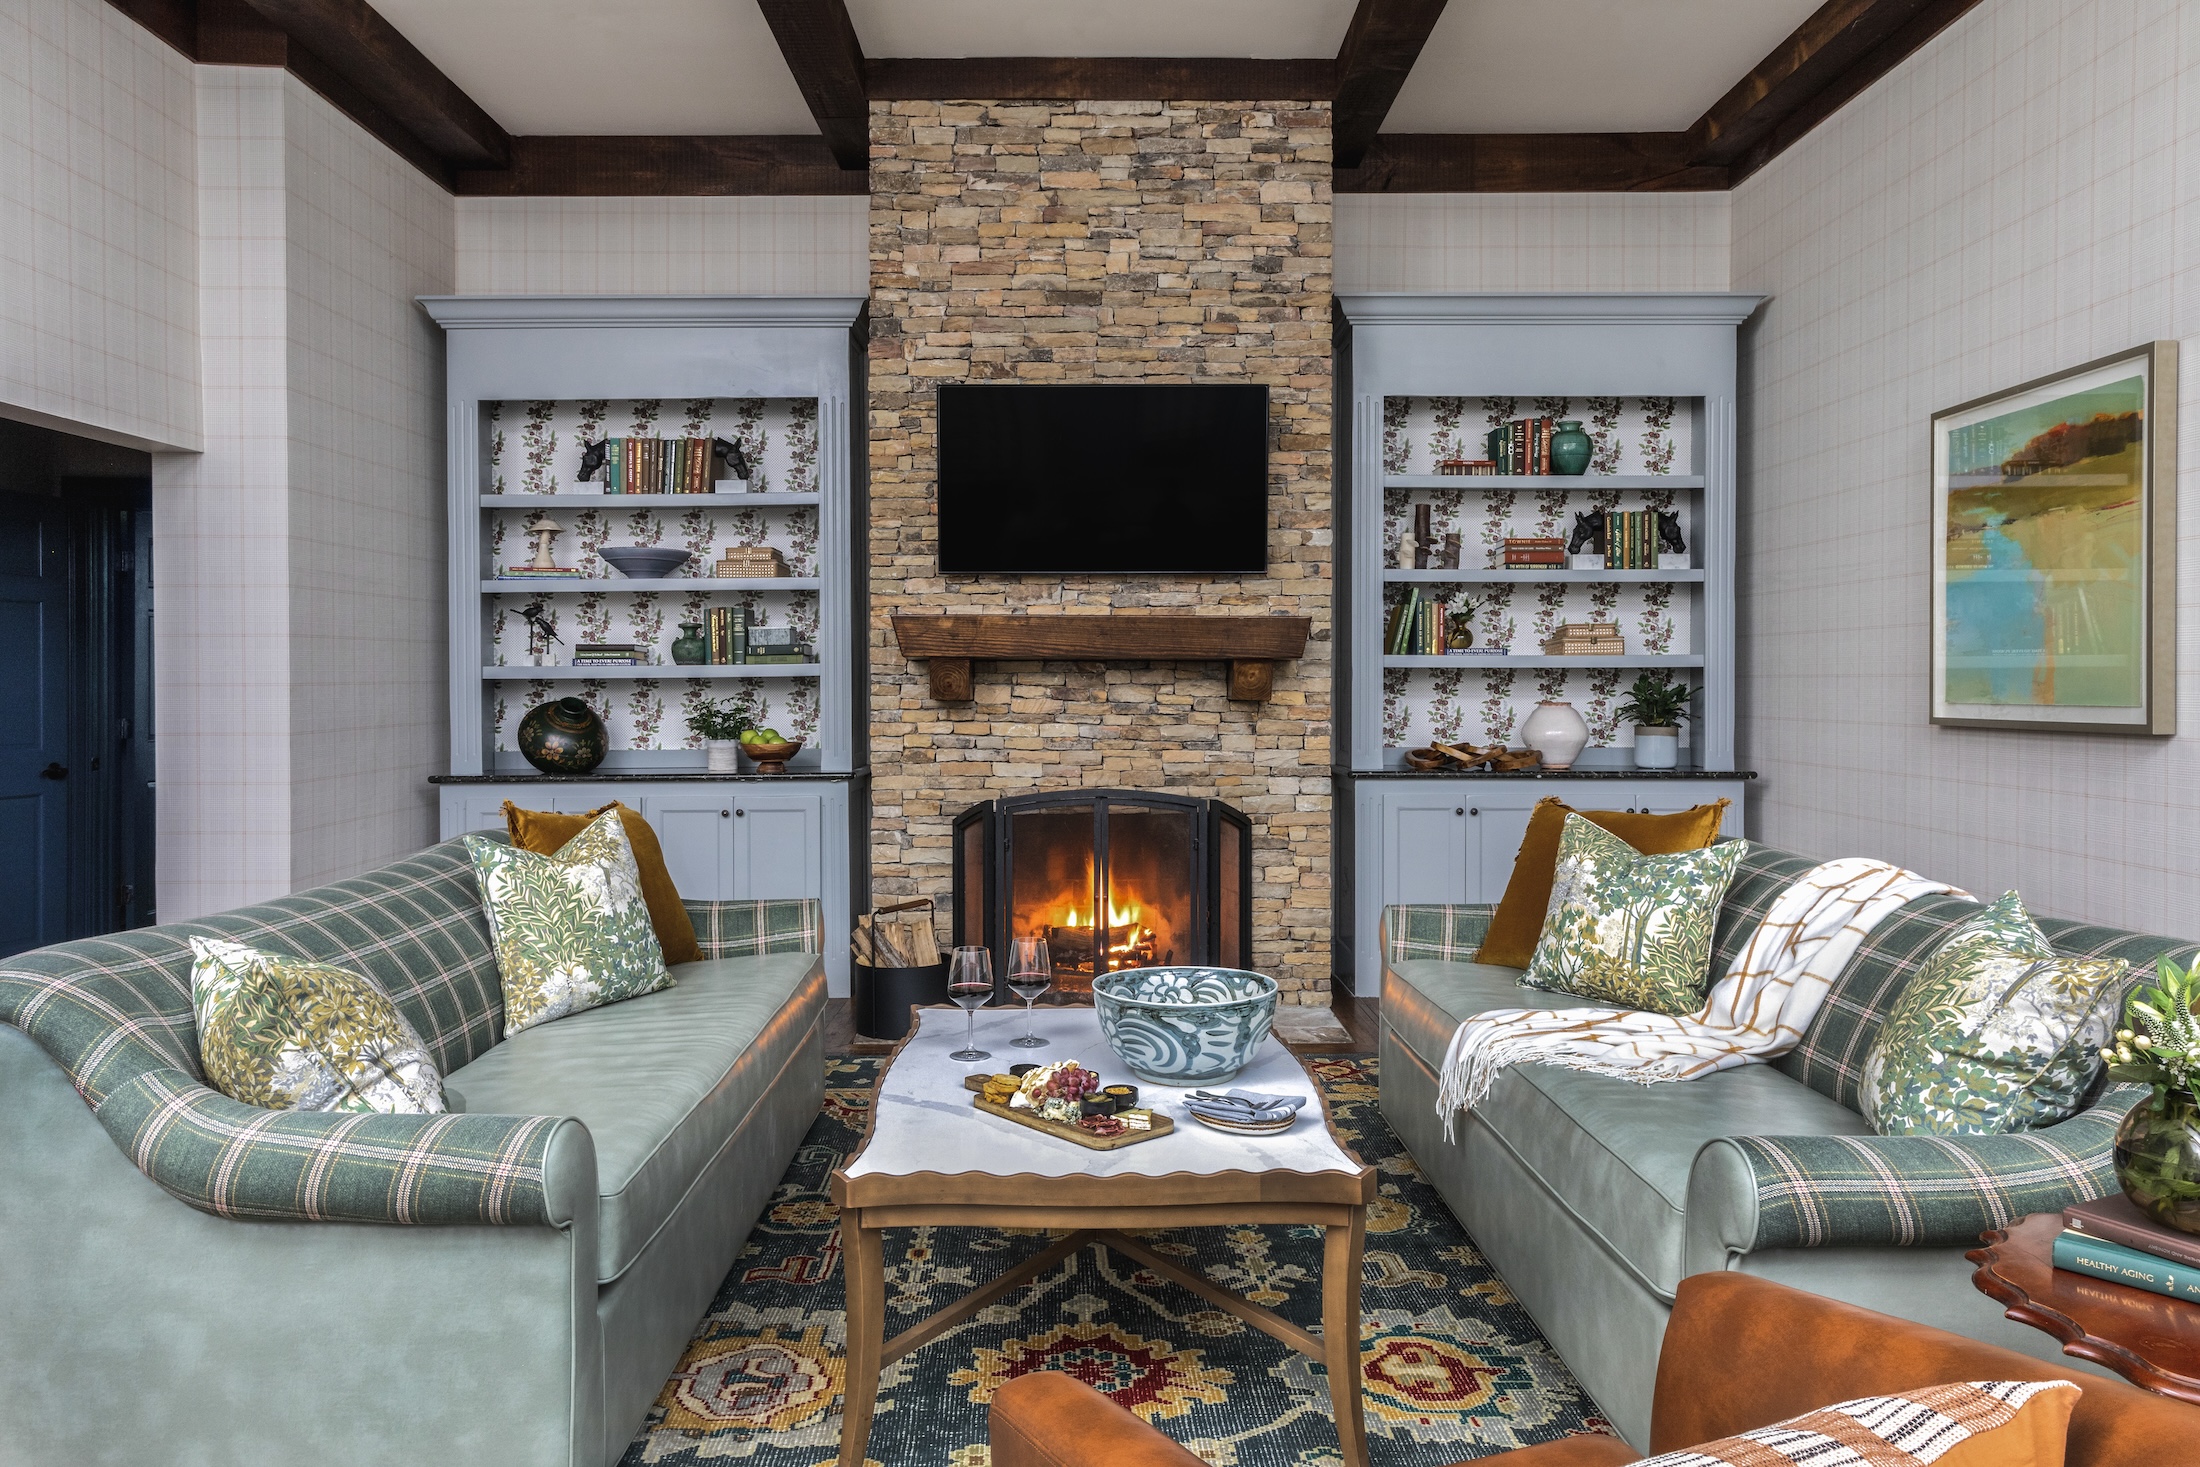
1460 811
740 812
1475 811
54 771
724 814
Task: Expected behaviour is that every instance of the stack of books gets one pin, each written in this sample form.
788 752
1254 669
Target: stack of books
751 563
2112 1239
1523 551
607 654
777 645
1631 539
1522 446
666 465
1586 639
540 573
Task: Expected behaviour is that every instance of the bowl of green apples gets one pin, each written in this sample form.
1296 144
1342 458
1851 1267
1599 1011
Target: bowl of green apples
770 748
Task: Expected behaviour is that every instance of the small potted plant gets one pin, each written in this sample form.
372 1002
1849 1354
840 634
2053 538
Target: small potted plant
2158 1144
1657 704
721 723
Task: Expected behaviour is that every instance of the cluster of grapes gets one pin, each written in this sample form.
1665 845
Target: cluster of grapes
1071 1082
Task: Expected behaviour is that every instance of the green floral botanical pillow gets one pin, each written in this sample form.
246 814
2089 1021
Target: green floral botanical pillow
291 1034
1630 929
572 931
1994 1034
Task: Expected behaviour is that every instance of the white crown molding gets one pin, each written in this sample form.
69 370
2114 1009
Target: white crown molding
510 312
1721 308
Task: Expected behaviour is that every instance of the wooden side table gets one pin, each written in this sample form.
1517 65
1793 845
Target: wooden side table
930 1158
2149 1340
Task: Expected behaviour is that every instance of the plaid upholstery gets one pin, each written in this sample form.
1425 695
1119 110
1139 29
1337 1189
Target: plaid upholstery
115 1013
751 929
1759 877
1446 934
1835 1191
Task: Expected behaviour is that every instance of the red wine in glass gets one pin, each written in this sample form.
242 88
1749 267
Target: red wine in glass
1030 973
970 983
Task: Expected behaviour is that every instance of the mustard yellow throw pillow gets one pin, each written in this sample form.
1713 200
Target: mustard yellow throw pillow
545 832
1518 921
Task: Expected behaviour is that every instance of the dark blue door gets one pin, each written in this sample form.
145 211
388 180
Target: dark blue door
34 723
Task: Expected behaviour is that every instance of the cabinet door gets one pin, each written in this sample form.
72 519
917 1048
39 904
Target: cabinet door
1671 796
1428 853
778 843
1497 816
695 828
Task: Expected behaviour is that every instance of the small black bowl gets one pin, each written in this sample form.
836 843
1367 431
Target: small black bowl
1019 1071
1098 1105
1124 1096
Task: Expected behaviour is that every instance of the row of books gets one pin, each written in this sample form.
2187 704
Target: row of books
664 465
2110 1238
1631 539
1419 627
1522 446
1586 639
734 642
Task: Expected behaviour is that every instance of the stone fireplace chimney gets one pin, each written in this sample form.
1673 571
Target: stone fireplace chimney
1126 241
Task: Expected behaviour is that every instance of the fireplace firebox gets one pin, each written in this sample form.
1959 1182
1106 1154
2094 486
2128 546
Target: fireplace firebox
1111 879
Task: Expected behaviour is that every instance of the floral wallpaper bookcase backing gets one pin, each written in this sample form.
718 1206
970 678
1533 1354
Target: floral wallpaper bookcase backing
533 451
1635 439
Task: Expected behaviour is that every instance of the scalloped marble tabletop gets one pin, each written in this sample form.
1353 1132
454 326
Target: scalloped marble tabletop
925 1122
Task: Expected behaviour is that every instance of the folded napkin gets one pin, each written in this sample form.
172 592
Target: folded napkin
1243 1105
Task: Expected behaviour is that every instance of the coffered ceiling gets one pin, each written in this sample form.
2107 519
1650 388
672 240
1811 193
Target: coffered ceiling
771 96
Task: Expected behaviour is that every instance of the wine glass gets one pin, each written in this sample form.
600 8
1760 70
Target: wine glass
1030 973
970 983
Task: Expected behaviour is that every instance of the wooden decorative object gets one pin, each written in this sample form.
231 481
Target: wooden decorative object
951 643
1076 1135
2149 1340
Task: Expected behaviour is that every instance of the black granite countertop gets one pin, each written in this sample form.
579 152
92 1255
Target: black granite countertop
644 777
1632 774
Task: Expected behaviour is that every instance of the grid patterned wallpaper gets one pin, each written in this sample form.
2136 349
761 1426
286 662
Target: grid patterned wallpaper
98 300
2021 196
1531 242
737 246
300 558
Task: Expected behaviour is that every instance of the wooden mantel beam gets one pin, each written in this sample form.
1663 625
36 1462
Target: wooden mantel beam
1252 645
819 43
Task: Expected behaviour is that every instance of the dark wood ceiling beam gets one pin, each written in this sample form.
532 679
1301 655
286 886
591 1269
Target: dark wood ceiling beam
1380 47
819 43
1498 163
1843 47
369 53
686 167
1098 78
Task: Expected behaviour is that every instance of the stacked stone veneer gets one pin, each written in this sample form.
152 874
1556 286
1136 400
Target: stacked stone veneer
1109 241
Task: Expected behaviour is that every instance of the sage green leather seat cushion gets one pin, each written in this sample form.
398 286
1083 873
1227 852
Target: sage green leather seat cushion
1616 1155
662 1082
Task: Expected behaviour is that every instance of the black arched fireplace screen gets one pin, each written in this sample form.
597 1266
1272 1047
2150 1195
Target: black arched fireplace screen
1111 878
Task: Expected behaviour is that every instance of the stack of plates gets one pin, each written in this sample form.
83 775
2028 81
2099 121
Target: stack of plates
1247 1128
1246 1113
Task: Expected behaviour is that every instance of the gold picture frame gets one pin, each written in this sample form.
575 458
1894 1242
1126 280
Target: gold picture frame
2054 551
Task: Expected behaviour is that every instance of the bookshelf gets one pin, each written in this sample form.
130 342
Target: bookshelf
531 381
1652 379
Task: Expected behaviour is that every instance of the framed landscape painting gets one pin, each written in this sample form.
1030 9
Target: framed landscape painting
2055 551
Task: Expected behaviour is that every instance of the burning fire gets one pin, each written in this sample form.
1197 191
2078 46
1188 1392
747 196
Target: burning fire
1129 942
1117 916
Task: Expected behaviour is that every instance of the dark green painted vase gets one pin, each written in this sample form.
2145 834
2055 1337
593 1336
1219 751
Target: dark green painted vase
563 737
690 648
1570 449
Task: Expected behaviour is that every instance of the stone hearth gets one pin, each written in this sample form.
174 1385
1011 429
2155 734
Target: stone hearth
1105 241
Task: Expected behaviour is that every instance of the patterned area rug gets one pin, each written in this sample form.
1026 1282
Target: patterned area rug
1453 1367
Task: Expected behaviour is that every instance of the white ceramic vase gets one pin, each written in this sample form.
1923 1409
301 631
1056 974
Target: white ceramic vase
1556 731
1657 748
723 756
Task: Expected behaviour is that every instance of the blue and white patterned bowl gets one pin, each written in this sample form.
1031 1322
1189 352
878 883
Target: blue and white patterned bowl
1185 1026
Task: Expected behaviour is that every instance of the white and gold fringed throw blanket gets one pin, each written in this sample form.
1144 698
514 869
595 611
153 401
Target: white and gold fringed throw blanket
1757 1012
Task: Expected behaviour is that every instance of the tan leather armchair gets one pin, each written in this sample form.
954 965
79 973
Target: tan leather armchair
1740 1353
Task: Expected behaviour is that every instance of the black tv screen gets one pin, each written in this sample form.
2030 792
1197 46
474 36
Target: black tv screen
1137 479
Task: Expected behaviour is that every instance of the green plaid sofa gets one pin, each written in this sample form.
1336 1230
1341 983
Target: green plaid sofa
192 1279
1594 1197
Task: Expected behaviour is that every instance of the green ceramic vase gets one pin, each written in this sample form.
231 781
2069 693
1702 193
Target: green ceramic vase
1570 449
563 737
690 649
2158 1159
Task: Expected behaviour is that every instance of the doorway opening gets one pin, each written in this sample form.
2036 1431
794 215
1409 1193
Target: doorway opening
76 655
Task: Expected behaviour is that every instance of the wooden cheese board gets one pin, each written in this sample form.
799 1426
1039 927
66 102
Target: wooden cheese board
1162 1125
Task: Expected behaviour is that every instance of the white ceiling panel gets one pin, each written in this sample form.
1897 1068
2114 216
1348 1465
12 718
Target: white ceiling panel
1586 65
1288 28
634 66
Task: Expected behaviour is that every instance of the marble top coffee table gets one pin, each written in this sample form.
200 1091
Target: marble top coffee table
932 1158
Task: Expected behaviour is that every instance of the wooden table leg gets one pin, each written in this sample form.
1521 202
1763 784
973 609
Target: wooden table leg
1342 1247
864 1268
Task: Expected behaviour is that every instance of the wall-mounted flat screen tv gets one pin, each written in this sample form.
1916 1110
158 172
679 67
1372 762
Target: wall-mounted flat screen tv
1098 479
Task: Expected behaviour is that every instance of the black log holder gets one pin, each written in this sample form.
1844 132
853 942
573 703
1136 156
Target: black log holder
883 996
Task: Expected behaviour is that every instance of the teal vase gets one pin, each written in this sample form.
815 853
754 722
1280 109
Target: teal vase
689 649
1571 449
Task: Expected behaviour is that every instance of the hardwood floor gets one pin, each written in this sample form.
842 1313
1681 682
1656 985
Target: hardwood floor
1359 1016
